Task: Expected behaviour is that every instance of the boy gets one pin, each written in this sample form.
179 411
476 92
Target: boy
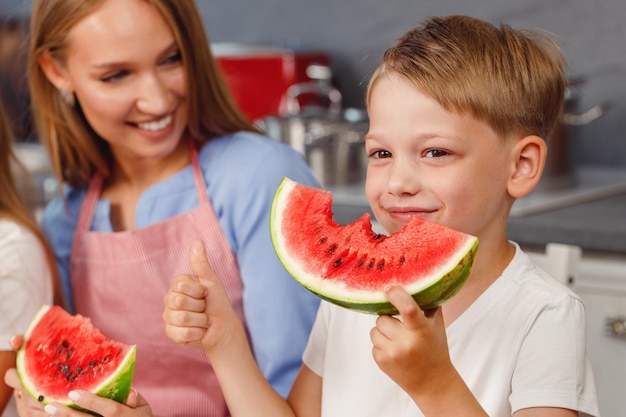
459 110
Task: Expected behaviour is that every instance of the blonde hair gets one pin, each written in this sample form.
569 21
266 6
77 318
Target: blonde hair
12 206
514 80
76 150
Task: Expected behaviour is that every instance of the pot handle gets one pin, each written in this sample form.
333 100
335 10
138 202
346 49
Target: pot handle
584 118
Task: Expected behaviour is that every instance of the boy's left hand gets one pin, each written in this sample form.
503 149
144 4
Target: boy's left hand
411 348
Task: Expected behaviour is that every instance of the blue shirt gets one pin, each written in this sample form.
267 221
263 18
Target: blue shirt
241 172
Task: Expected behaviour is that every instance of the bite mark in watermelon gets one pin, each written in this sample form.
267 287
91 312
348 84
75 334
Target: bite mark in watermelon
62 352
351 265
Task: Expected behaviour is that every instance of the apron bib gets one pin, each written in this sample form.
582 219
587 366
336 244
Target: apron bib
119 281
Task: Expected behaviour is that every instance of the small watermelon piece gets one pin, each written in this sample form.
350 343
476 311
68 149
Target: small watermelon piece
62 352
351 265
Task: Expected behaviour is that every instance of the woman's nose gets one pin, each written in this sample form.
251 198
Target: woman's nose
154 96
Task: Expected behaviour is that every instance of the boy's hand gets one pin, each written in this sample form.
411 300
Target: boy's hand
198 311
411 348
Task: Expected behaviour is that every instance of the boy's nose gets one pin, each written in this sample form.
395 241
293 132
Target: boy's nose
403 178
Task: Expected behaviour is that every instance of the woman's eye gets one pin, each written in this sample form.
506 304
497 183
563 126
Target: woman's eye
436 153
173 58
116 76
380 154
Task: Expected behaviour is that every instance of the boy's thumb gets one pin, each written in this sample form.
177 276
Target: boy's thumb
199 262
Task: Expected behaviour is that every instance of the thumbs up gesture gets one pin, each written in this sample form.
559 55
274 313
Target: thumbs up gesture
197 309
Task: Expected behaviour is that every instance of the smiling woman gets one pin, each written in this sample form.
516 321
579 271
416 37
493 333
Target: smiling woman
153 154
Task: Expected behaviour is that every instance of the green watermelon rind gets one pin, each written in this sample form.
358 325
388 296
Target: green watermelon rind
429 292
116 387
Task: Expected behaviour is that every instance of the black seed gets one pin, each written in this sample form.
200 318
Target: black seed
381 265
92 364
372 263
69 353
78 370
65 369
332 249
40 398
361 262
323 240
337 262
402 259
377 236
106 358
65 343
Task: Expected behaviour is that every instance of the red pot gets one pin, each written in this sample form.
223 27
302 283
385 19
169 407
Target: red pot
259 76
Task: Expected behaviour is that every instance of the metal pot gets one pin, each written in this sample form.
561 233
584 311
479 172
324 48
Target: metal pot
559 170
333 145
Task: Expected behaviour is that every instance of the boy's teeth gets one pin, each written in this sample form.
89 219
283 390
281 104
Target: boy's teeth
156 125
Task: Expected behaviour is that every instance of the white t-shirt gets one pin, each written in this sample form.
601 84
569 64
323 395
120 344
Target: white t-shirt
25 284
521 344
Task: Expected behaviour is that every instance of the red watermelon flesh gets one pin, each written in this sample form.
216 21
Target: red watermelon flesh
62 352
351 265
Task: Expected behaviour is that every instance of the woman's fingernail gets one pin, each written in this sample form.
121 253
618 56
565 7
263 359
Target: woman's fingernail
74 396
50 410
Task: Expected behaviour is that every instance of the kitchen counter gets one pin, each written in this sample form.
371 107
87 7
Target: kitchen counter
596 226
592 216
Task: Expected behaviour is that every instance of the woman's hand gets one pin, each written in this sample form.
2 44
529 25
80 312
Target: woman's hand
198 311
411 348
136 405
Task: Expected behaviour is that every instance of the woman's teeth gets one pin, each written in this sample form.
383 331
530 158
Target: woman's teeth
154 126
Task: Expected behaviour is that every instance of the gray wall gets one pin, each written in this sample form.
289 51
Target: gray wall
355 33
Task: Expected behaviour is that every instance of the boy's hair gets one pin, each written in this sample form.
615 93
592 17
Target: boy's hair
513 80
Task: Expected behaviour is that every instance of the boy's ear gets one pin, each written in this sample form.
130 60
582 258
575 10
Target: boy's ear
529 158
53 71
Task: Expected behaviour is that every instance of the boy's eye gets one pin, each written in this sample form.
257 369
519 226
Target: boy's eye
436 153
380 154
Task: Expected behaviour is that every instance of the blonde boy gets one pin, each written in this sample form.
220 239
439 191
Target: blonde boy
459 113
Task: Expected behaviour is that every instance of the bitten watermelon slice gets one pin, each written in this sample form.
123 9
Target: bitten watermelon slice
351 265
62 352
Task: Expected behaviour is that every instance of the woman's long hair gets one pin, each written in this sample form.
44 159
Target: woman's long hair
12 206
76 151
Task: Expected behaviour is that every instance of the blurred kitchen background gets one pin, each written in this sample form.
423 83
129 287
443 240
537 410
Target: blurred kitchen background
299 69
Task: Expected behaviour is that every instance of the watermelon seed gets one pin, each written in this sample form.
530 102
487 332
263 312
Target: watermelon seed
79 370
65 343
361 262
372 262
323 240
92 364
66 370
377 236
69 353
402 259
332 249
40 398
381 265
337 262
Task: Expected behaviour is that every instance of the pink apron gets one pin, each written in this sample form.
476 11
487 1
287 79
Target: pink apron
119 280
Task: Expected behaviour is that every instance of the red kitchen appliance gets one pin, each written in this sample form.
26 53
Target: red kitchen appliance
259 76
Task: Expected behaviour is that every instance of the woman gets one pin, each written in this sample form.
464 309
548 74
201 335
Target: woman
27 268
141 128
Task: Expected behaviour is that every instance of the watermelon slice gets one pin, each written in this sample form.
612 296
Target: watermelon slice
351 265
62 352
